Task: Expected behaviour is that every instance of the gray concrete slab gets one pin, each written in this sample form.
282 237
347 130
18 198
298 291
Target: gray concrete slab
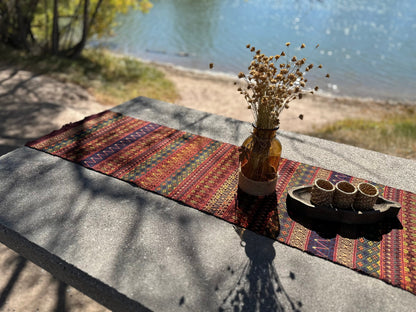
132 250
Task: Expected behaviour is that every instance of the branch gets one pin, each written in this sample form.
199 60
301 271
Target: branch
94 15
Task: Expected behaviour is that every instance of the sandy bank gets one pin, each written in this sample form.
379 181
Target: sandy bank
217 94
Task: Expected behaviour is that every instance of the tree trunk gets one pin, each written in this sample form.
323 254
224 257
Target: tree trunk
55 29
19 28
94 15
85 30
45 4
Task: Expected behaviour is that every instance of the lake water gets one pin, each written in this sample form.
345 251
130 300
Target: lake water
367 46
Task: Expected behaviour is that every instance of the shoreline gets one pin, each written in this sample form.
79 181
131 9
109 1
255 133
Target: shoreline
213 74
207 74
216 93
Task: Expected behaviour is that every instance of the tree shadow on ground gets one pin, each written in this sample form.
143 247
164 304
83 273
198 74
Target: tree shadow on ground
19 264
33 105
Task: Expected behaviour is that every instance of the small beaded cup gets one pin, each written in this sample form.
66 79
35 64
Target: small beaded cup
344 195
322 192
366 197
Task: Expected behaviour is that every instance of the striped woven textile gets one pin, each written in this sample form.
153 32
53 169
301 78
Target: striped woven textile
203 173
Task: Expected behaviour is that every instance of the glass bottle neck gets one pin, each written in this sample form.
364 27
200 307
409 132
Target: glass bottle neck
265 132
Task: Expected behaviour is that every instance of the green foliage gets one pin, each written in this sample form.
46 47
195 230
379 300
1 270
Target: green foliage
60 26
70 13
116 79
395 134
405 128
16 17
112 79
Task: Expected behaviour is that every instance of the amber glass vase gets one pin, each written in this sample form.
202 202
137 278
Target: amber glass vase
259 162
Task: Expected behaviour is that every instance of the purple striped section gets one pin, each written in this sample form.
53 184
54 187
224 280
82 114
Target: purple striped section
117 146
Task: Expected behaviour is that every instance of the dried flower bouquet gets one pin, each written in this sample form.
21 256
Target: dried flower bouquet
268 89
270 86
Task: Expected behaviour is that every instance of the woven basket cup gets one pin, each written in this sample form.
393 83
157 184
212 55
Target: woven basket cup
322 192
344 195
366 197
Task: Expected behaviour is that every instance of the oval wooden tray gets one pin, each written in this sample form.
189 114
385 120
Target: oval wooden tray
299 200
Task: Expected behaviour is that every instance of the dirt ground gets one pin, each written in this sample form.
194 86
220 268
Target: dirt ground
32 106
218 95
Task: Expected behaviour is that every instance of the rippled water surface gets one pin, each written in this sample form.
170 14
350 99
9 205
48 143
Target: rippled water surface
368 47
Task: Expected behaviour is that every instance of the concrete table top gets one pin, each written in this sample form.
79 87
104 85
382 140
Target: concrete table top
132 250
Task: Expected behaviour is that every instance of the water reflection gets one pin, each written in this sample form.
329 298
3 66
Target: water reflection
195 26
367 46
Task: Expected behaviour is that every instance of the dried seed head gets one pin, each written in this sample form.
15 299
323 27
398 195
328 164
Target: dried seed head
320 66
270 86
211 65
301 116
302 46
327 76
248 46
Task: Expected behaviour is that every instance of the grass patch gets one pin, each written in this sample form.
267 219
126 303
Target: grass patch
395 134
110 78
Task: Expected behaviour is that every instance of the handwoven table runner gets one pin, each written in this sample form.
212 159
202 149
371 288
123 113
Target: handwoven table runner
203 173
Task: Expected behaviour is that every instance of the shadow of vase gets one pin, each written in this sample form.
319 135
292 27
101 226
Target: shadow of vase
258 287
258 213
